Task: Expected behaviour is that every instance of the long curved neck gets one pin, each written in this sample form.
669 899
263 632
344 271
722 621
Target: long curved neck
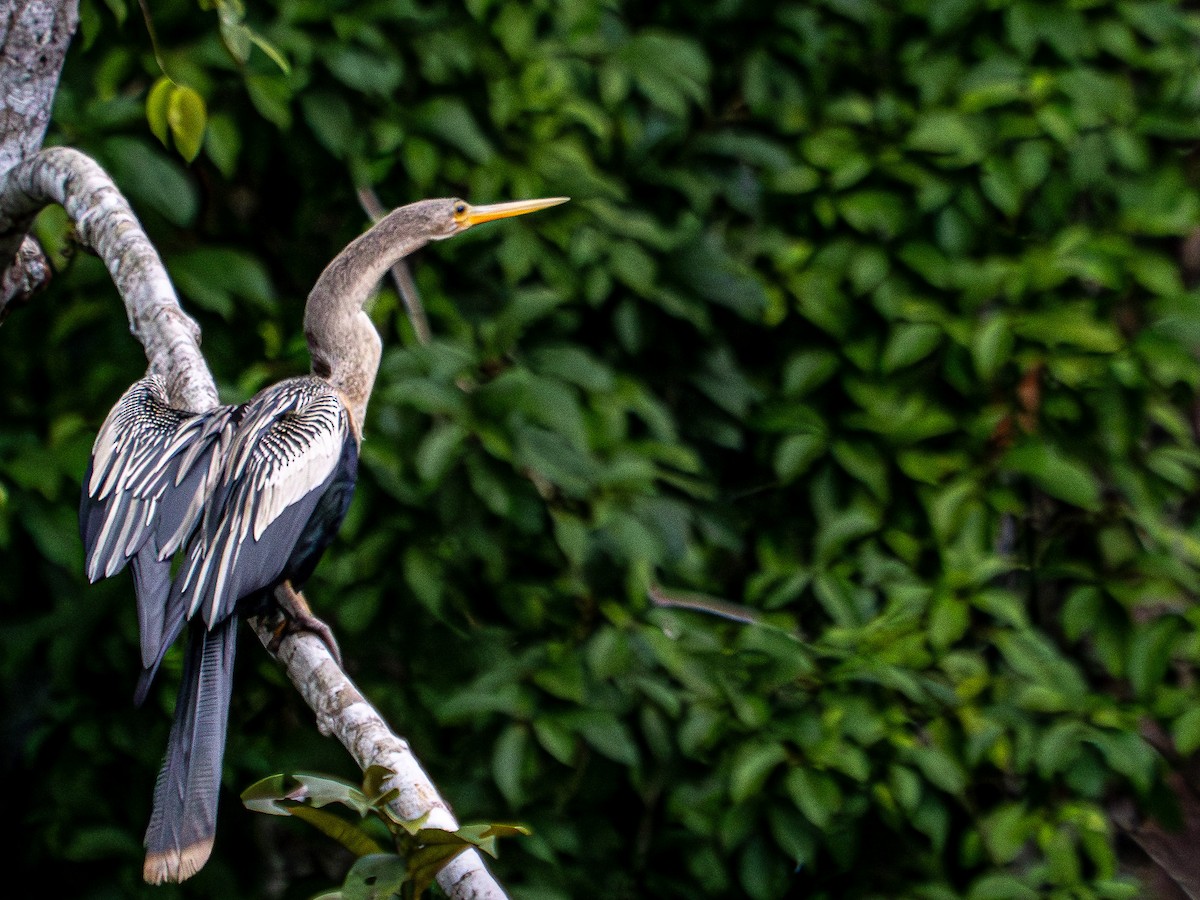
344 345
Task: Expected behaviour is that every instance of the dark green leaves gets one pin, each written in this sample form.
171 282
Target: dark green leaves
870 332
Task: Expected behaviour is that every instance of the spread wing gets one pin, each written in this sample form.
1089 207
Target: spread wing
143 491
284 456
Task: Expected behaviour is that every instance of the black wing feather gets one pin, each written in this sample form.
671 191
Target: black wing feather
281 460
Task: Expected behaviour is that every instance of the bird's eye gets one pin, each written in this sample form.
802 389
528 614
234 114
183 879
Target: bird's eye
460 208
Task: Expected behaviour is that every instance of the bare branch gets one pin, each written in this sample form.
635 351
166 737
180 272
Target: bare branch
34 36
104 221
713 606
342 711
27 274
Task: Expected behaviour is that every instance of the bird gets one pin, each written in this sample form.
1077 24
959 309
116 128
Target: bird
222 513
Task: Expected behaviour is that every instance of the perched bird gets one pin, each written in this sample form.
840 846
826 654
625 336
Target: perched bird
247 498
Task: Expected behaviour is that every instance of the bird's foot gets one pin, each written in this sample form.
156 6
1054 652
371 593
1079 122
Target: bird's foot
298 617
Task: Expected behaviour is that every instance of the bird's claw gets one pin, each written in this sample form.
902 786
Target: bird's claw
297 624
298 617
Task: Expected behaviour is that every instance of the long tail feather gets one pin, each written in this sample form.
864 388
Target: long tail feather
172 618
152 585
184 822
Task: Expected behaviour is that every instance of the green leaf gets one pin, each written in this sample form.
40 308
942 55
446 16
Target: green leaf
440 449
555 739
508 761
909 342
879 213
483 835
1057 474
151 179
1150 651
942 769
796 453
452 120
378 876
236 38
278 795
611 737
1007 831
815 794
949 135
157 102
271 96
272 52
1001 887
187 116
992 346
330 119
1071 324
752 764
223 143
1186 732
365 71
349 835
808 370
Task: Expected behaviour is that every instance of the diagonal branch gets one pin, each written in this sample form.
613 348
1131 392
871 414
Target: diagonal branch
171 338
104 221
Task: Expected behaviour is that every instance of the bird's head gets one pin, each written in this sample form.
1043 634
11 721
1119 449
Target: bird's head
453 216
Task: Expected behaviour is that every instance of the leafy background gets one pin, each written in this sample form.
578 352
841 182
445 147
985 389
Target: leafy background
874 320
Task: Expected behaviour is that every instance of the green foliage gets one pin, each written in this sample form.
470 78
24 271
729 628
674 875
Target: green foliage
421 853
876 320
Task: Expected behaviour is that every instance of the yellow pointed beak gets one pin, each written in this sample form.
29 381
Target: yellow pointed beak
477 215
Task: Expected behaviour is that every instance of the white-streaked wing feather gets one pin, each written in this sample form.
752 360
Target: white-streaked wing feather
286 447
144 450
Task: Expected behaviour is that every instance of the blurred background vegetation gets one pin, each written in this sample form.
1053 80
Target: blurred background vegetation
875 319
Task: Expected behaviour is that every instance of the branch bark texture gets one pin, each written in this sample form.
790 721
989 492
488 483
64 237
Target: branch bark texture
343 711
171 338
104 221
34 36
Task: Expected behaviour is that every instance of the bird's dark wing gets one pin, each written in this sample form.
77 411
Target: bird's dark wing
143 492
283 457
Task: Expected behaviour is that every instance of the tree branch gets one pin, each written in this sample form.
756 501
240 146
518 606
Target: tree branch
104 221
34 36
343 712
171 338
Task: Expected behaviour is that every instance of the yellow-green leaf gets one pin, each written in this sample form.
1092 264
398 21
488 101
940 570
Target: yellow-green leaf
268 48
345 833
156 107
187 116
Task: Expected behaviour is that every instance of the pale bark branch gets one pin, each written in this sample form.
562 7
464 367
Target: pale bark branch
104 221
342 711
34 36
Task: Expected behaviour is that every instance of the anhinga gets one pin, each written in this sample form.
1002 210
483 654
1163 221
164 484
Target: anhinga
248 497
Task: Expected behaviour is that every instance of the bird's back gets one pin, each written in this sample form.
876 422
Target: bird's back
248 495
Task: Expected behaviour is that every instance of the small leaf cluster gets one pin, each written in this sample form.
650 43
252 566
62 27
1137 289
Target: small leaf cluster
422 852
